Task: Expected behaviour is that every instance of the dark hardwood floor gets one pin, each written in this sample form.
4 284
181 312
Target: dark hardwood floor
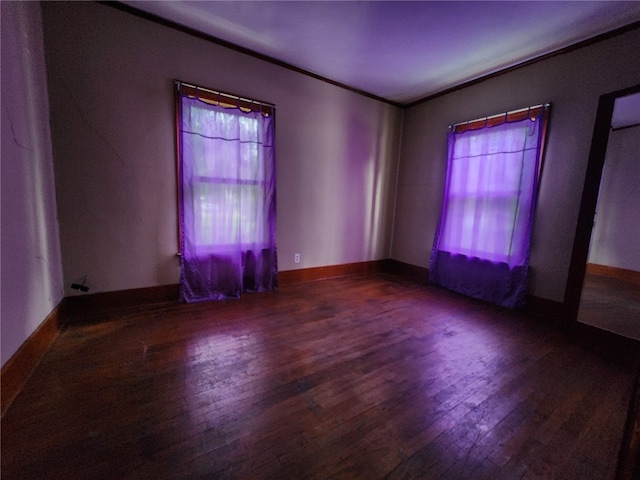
360 377
611 304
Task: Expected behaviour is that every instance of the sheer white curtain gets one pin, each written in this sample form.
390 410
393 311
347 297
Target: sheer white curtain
227 201
481 248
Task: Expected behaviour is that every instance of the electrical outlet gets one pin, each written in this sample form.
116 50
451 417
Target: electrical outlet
296 258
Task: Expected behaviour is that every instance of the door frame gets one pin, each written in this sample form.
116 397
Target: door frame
588 203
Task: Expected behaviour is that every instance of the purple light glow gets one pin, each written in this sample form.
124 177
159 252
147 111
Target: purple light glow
482 246
228 202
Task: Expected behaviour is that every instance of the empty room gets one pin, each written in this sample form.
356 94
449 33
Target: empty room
269 240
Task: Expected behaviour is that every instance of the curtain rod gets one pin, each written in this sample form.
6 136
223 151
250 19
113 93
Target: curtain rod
520 114
219 94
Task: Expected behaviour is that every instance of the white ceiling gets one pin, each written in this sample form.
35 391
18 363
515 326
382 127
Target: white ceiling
396 50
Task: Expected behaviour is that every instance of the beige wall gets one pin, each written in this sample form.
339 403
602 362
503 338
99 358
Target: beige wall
31 266
573 83
110 76
615 238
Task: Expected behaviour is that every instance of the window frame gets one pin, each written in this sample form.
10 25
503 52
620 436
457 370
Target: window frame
213 97
501 197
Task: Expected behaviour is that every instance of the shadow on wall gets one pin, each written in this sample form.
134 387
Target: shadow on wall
368 177
31 264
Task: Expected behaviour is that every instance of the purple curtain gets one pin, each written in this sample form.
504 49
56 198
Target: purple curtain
481 247
228 201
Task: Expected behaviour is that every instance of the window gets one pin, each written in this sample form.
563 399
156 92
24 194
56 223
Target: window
489 189
227 187
226 170
486 220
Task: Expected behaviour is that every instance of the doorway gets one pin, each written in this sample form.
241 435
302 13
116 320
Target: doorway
603 286
610 297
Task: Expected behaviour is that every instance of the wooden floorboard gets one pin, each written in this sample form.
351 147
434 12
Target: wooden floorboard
611 304
366 377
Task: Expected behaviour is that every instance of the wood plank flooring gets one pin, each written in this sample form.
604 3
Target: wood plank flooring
364 377
611 304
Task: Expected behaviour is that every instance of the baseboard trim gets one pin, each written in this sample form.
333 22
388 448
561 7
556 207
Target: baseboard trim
82 309
289 277
544 307
413 272
623 274
21 365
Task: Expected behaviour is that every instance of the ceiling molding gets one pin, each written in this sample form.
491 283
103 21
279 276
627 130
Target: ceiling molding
223 43
576 46
218 41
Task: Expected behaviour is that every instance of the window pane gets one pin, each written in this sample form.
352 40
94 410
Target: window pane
217 217
490 177
229 196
